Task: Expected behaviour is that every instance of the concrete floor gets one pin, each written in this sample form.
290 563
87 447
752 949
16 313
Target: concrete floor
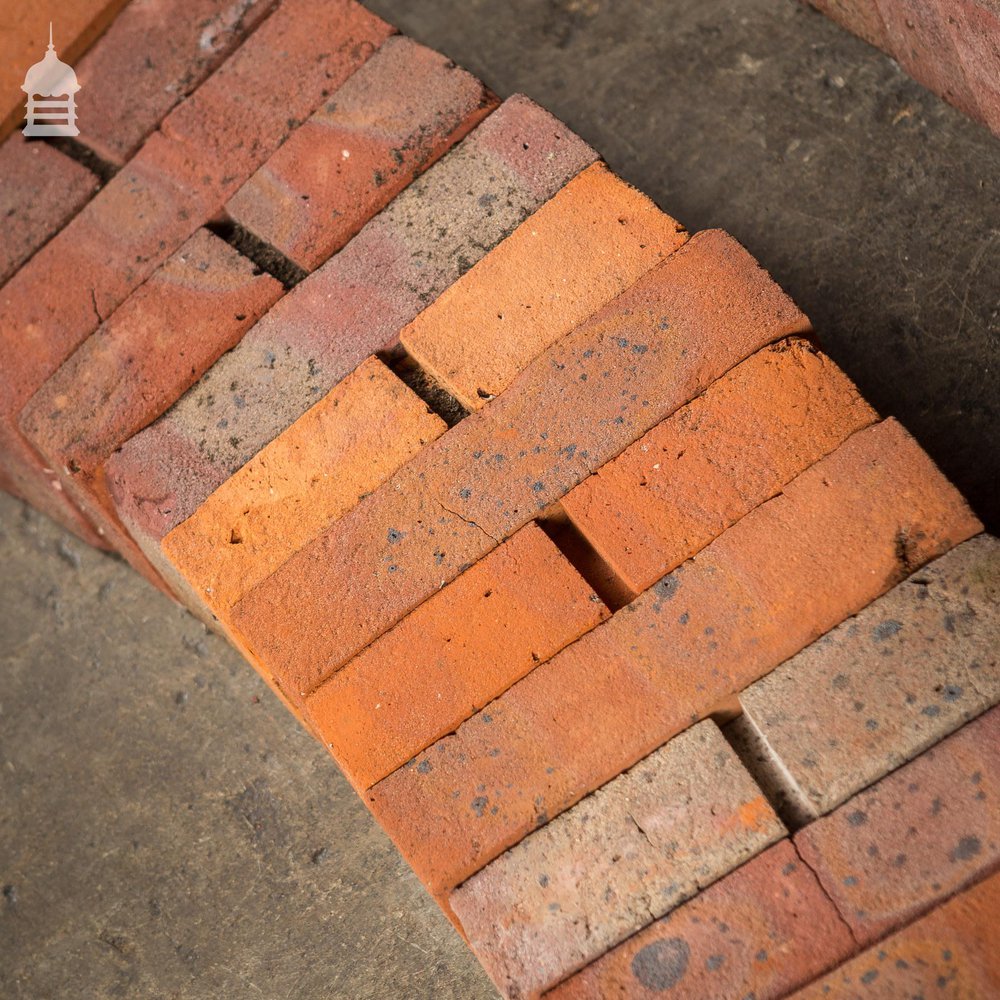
165 829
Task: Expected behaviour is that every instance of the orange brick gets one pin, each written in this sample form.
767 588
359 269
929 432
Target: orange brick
704 309
310 475
762 931
453 654
576 253
951 952
840 534
701 470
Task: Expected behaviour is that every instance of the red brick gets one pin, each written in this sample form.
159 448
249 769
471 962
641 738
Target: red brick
919 835
390 121
680 819
677 329
884 686
156 202
154 54
585 246
840 534
310 475
762 931
452 655
399 262
683 483
859 16
919 38
951 952
163 337
975 31
41 191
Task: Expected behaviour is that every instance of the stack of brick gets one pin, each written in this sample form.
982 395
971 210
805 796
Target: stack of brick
550 521
950 46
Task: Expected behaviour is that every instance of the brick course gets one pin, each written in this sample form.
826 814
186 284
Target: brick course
637 847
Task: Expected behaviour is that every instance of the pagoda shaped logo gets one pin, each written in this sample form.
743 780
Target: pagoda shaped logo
51 88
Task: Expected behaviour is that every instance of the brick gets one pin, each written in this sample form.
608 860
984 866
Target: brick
77 23
884 686
153 56
453 654
576 253
915 838
677 329
685 481
840 534
646 841
351 307
151 349
159 199
974 26
390 121
313 473
762 931
951 952
918 37
861 17
41 191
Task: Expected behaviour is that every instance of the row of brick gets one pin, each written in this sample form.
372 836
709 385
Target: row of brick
950 46
860 878
207 146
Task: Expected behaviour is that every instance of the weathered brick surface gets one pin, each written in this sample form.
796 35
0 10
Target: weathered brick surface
677 329
391 120
160 198
951 952
762 931
919 835
162 338
679 820
702 469
886 685
975 32
41 191
859 16
452 655
576 253
153 55
839 535
337 451
917 35
352 306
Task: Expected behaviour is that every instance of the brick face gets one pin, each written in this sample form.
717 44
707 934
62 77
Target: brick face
950 952
456 652
882 687
41 191
309 476
585 246
838 536
690 477
390 121
395 266
163 337
919 835
647 840
761 931
576 406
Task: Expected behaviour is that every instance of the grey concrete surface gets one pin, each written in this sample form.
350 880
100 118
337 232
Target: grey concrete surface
165 829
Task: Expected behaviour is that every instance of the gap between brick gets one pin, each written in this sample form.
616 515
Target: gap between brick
257 250
85 156
408 370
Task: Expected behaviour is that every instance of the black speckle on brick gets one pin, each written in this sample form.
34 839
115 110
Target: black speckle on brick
886 630
661 965
424 767
967 847
857 818
394 536
479 804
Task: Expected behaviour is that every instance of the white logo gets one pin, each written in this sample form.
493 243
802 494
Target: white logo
53 79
